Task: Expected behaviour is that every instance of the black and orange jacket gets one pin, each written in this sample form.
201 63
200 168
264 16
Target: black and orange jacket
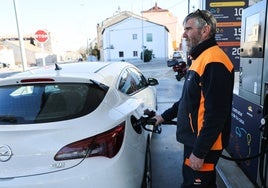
204 109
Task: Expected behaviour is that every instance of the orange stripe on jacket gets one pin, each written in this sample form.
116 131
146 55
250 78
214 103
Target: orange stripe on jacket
206 166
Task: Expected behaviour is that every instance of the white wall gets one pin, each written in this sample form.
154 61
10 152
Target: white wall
7 56
119 36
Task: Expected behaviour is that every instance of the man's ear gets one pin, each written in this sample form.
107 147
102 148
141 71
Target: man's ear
205 31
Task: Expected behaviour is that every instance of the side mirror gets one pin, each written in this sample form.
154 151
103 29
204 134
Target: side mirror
152 81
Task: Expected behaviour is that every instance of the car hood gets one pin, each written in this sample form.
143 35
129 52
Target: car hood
27 150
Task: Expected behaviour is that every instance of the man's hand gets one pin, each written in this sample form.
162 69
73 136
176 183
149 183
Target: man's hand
195 162
159 119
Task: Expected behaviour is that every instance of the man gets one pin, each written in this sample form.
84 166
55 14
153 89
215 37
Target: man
204 109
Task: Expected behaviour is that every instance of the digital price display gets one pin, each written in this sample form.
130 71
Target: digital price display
228 15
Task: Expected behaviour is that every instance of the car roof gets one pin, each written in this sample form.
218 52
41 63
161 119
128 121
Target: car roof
104 72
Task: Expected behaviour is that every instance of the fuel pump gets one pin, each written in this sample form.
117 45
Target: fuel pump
249 132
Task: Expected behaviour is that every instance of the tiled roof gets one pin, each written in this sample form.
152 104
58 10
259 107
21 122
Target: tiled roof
155 9
117 18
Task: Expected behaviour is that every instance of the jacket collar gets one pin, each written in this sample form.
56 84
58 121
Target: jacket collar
196 51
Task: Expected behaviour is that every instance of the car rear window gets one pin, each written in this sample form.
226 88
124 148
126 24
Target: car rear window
48 102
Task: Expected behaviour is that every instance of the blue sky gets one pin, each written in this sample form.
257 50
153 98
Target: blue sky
73 22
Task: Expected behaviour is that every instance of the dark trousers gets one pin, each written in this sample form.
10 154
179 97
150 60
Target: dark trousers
205 178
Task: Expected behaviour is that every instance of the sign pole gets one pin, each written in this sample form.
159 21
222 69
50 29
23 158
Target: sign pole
43 54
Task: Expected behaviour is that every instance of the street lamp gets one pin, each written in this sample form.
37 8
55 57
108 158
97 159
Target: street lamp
22 48
88 46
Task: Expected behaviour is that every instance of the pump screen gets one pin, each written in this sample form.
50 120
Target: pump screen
252 28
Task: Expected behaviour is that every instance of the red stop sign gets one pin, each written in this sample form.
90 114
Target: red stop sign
41 36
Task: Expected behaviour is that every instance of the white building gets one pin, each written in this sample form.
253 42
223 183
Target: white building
125 39
7 55
34 54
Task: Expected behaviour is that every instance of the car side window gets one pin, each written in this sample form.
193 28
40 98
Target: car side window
131 81
139 78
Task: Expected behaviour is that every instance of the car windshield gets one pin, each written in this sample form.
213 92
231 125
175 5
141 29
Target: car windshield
38 103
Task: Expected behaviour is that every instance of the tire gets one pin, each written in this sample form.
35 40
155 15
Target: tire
147 176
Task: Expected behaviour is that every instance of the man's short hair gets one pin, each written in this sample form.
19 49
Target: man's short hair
203 17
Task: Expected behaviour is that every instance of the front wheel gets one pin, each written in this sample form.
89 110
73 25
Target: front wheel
147 176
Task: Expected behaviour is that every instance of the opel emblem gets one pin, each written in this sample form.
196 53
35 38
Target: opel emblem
5 153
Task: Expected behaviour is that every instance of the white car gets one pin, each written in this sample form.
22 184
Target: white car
72 125
178 55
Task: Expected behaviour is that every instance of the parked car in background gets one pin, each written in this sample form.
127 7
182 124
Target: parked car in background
178 55
92 58
72 125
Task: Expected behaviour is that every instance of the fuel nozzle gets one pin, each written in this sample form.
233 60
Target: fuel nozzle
148 123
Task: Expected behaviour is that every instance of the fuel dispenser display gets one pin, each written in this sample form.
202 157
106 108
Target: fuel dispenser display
249 132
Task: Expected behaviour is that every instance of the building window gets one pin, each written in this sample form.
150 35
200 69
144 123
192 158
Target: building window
149 37
134 36
135 53
121 54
